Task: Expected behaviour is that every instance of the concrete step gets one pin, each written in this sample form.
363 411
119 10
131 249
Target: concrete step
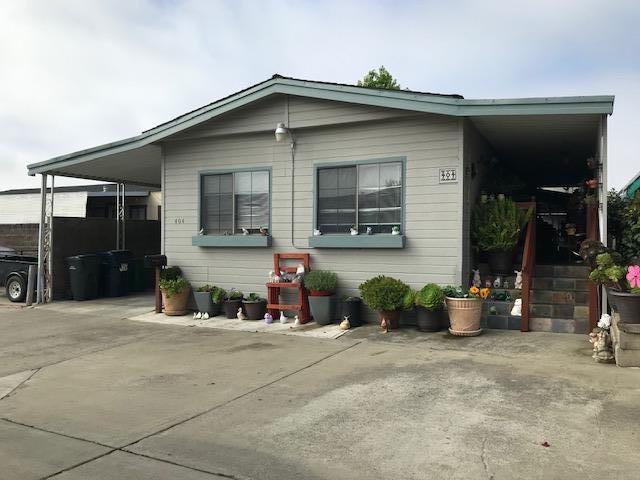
500 322
558 297
562 271
562 284
558 325
578 312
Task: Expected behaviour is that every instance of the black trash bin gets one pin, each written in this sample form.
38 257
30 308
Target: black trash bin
114 273
84 274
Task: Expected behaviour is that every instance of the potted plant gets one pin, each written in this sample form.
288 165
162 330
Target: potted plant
321 285
622 284
232 302
254 306
175 291
385 295
496 228
204 297
464 309
351 309
429 302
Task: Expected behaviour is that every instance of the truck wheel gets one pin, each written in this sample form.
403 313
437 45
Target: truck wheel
16 289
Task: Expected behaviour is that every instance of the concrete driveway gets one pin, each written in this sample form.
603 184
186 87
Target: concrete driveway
97 396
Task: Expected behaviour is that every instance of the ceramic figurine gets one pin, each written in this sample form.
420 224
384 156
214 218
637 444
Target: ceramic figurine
605 321
283 318
497 282
518 285
264 231
601 340
205 316
516 311
484 198
316 232
198 316
493 310
194 315
245 231
300 269
201 232
501 197
345 325
477 282
369 231
487 283
271 276
353 231
241 315
384 326
277 279
296 321
505 284
395 230
268 319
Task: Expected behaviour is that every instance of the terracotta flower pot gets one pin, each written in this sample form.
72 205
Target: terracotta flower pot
392 318
464 316
176 304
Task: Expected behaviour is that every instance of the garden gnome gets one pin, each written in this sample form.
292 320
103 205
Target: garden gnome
601 341
477 282
518 284
516 311
268 319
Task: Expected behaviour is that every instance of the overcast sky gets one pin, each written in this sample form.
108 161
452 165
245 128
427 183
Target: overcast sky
75 74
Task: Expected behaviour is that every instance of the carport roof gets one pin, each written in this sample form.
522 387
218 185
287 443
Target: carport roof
137 159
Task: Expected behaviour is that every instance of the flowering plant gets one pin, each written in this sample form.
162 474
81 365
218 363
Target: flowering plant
633 277
473 292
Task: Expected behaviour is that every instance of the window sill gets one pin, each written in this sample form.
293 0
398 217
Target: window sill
380 240
255 241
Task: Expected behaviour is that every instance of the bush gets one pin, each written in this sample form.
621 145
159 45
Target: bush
254 297
496 225
218 294
607 272
234 294
175 286
430 297
321 281
630 247
454 292
409 300
170 273
384 293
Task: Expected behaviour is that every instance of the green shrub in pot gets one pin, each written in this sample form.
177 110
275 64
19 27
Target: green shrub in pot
175 292
209 299
233 302
322 285
429 302
254 306
387 296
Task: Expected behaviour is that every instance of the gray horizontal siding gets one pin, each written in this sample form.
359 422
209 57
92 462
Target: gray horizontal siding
433 217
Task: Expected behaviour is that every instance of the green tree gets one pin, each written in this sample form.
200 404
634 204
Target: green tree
380 78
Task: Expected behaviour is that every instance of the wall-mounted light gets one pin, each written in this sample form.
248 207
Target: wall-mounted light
282 132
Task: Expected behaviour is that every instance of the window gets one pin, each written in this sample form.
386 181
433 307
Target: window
366 195
233 201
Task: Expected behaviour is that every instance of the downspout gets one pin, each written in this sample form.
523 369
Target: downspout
603 192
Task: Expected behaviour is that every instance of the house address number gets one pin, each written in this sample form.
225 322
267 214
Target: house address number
179 220
448 175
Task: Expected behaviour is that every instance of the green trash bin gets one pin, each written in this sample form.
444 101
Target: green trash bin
136 275
84 275
114 273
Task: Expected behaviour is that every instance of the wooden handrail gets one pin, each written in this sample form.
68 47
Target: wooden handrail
528 262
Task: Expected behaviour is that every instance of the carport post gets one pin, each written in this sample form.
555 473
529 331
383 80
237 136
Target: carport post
50 250
118 216
43 208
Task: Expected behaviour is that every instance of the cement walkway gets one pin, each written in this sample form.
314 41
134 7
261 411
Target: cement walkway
101 397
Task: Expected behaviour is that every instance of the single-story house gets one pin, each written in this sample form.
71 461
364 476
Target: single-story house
632 187
299 157
22 206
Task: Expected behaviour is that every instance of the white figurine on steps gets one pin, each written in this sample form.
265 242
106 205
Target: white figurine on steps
197 316
240 315
518 285
477 282
497 282
516 311
353 231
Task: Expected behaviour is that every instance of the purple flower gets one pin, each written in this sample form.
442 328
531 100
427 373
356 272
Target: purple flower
633 276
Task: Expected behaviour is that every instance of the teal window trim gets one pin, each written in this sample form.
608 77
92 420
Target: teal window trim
339 240
236 240
380 240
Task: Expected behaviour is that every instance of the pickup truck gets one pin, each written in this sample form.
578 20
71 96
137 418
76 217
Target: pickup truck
13 274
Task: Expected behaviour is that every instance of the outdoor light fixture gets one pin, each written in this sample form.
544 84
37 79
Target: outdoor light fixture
281 132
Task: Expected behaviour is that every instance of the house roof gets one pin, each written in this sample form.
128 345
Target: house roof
93 190
454 105
632 186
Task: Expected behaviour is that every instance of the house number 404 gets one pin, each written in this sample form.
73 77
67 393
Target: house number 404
178 220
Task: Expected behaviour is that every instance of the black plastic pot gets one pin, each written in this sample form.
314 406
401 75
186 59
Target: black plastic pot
231 308
627 305
352 308
429 320
255 310
501 262
204 303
